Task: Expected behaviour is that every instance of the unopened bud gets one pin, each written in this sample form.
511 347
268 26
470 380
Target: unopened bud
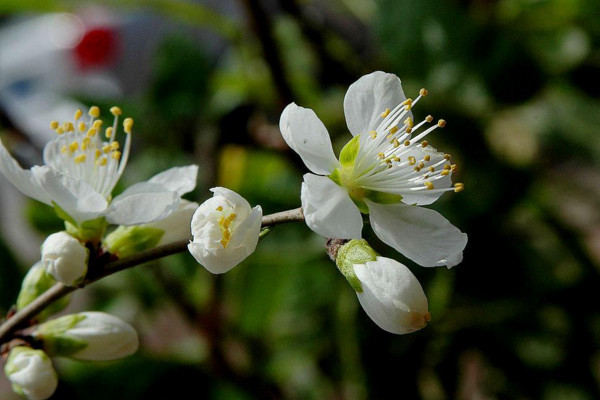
94 336
36 282
31 373
65 258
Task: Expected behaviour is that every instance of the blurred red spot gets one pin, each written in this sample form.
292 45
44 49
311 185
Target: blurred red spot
97 48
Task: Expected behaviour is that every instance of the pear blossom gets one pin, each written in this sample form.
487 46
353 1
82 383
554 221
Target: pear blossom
392 296
31 373
82 167
88 336
225 230
386 171
65 258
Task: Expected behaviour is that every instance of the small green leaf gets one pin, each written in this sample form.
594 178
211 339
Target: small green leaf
350 151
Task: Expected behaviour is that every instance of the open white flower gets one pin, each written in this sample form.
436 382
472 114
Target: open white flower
31 373
384 171
392 296
225 231
65 258
82 168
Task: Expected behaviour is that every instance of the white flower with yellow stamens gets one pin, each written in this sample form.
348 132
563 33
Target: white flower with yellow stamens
225 231
384 171
82 167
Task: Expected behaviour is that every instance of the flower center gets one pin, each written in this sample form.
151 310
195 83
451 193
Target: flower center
225 226
80 153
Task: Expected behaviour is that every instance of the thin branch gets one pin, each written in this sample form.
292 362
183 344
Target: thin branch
105 268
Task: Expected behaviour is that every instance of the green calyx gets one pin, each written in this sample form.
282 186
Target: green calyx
351 253
36 282
56 340
127 240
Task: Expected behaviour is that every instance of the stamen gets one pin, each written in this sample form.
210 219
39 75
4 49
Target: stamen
220 208
78 114
412 160
79 159
394 129
94 112
114 110
424 143
423 92
373 134
108 132
81 126
73 146
54 125
429 185
127 124
385 113
459 187
429 118
115 155
441 123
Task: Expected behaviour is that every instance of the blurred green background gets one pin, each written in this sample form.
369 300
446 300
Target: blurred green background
518 82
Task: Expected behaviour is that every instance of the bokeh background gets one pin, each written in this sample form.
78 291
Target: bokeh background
518 82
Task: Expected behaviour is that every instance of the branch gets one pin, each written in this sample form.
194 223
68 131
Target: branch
106 268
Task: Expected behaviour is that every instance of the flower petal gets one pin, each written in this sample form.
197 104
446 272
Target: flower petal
21 178
142 203
368 97
392 296
215 260
177 179
328 210
422 235
306 135
240 204
75 197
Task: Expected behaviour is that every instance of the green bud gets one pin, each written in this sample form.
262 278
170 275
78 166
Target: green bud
57 341
31 373
354 252
87 231
127 240
36 282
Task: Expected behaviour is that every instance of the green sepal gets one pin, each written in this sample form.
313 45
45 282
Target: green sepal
89 231
350 151
55 340
36 282
382 197
351 253
336 177
127 240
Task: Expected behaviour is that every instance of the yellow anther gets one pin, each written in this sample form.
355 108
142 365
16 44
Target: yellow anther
445 172
447 157
407 143
108 132
65 126
97 124
417 169
106 148
421 165
412 160
453 167
373 134
127 124
114 110
394 129
381 155
423 92
441 123
397 159
78 114
85 143
97 154
408 130
115 155
427 157
385 113
73 146
429 118
220 208
407 102
429 185
431 169
54 125
424 143
81 126
409 122
396 143
63 149
114 146
459 187
101 161
59 131
79 159
447 167
94 112
91 132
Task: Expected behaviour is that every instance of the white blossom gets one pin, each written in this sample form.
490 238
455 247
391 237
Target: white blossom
31 373
385 171
65 258
225 231
392 296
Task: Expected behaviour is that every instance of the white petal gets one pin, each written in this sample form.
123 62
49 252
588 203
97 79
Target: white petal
306 135
217 260
328 210
422 235
177 179
142 203
77 198
240 204
246 234
368 97
22 179
177 225
392 296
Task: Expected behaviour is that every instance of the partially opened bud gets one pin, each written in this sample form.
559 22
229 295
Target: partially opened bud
31 373
94 336
128 240
225 231
36 282
392 296
65 258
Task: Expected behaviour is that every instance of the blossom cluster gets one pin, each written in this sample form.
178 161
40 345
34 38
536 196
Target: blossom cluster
386 172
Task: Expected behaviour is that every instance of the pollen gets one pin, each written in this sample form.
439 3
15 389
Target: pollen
429 185
394 129
54 125
441 123
78 114
115 155
81 126
407 143
445 172
412 160
427 157
108 132
97 124
97 154
381 155
220 208
106 148
385 113
114 110
85 143
94 112
423 92
79 159
396 143
373 134
127 124
114 146
73 146
424 143
429 118
101 161
459 187
409 122
91 132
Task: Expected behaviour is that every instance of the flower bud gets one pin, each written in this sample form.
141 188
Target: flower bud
31 373
128 240
392 296
65 258
93 336
36 282
225 231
